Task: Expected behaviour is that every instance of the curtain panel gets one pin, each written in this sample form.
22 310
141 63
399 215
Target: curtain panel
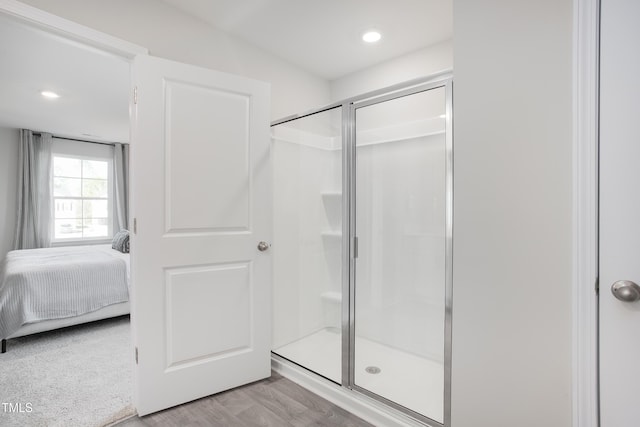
121 185
35 210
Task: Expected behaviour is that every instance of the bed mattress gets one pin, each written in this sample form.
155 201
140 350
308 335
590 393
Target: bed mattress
56 283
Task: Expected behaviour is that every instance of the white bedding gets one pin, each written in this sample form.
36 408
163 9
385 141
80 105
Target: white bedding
55 283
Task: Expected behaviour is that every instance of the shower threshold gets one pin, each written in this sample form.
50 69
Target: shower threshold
406 379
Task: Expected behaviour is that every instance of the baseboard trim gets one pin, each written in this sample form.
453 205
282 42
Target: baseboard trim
356 403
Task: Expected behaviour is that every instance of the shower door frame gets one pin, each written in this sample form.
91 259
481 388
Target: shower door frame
349 229
349 107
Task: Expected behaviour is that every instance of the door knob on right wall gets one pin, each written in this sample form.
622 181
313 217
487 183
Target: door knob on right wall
626 290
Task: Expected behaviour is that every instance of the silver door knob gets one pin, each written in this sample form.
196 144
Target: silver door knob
626 290
263 246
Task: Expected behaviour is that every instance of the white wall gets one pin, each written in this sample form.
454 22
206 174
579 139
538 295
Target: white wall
512 210
421 63
172 34
9 139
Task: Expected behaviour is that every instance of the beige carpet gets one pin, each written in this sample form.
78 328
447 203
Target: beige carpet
73 377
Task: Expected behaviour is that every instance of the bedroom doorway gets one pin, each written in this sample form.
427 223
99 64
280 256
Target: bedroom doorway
238 241
75 370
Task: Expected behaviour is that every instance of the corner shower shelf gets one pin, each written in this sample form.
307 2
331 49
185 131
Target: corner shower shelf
424 234
333 296
331 194
332 234
332 198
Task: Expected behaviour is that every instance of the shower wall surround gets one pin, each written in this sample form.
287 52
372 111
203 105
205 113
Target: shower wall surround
362 245
307 156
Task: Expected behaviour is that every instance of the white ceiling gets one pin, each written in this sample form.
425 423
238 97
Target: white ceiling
93 86
321 36
324 36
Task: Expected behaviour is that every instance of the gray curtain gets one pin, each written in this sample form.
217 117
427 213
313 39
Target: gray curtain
121 184
35 211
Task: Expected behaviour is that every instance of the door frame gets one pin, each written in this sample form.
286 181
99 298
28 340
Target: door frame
585 386
77 33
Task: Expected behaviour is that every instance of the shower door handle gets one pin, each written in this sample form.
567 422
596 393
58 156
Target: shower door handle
263 246
355 247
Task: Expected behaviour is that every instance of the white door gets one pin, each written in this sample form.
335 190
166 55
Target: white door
201 199
619 211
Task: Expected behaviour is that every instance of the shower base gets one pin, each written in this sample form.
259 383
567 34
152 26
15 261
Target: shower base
406 379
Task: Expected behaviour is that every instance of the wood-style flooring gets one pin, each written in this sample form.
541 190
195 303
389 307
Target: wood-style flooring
273 402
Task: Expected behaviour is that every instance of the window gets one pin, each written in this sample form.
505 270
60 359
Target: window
81 198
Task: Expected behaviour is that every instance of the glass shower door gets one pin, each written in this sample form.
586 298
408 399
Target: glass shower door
307 246
402 201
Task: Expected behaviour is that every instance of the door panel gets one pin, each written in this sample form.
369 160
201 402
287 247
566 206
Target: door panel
218 184
216 285
201 198
619 211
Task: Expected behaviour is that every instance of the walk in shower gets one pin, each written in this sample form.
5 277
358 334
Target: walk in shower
362 245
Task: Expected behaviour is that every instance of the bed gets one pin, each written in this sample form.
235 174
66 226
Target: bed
50 288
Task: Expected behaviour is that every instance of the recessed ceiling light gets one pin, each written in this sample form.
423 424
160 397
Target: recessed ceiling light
371 36
49 94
